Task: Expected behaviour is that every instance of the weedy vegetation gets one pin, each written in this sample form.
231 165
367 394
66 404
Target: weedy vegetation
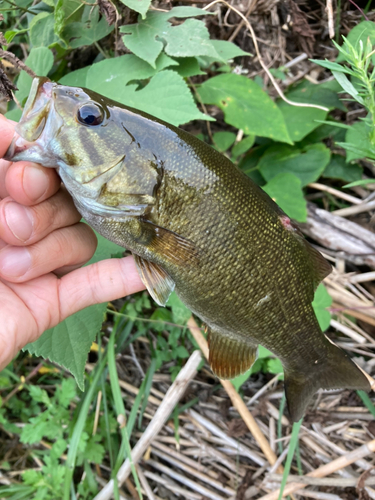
64 437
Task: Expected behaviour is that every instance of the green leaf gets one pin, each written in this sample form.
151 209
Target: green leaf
66 392
188 66
68 343
359 136
332 66
322 300
286 190
110 76
228 50
363 30
362 182
140 6
167 97
348 86
306 163
42 32
180 312
300 121
87 31
76 78
337 168
245 105
40 60
189 39
241 147
322 94
144 39
66 11
223 140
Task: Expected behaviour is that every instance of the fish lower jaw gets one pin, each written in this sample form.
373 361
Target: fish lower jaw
21 149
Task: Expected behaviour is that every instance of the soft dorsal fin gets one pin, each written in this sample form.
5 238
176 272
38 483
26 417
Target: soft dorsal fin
159 284
229 357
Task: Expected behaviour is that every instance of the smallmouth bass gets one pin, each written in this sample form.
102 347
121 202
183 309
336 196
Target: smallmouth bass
194 223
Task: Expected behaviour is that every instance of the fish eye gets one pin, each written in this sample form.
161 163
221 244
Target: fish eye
90 114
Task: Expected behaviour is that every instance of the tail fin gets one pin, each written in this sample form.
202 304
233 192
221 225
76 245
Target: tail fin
337 371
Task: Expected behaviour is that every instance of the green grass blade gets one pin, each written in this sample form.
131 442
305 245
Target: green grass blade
290 455
78 429
367 401
279 426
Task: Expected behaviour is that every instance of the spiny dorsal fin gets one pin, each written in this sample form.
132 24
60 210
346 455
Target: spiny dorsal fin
158 283
229 357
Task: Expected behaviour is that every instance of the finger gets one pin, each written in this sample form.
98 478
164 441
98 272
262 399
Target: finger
29 183
100 282
20 225
73 245
6 133
4 165
2 244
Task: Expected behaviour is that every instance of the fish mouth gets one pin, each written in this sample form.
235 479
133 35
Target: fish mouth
36 127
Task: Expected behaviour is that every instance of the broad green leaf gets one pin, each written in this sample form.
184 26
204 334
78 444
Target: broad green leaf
187 66
42 32
144 38
228 50
68 343
327 129
243 146
322 300
223 140
286 190
87 31
189 39
306 163
167 97
322 94
66 11
348 86
338 168
180 312
40 60
362 182
300 121
245 105
140 6
363 30
9 35
359 136
110 76
76 78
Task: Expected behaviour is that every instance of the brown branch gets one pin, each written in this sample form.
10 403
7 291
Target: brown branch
17 62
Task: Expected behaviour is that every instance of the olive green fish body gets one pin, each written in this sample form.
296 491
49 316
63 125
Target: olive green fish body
195 223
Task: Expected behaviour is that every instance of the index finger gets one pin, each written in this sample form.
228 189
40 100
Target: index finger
6 134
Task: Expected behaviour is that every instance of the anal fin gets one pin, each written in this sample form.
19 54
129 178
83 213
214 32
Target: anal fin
228 356
158 283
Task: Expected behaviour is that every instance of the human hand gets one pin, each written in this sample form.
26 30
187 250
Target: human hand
40 234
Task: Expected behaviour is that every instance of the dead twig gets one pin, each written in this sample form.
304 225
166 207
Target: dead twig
17 62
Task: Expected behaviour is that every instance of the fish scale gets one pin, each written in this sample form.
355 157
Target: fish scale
196 223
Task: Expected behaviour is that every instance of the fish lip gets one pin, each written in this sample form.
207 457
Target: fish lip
18 146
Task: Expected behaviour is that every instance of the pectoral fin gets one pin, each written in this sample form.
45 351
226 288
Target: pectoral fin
229 357
159 284
170 245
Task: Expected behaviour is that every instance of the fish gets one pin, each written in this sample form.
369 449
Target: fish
196 224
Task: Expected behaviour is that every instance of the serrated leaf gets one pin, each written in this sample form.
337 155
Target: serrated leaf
144 38
338 168
306 163
68 343
167 97
140 6
322 300
40 60
111 75
223 140
87 31
42 33
286 190
245 106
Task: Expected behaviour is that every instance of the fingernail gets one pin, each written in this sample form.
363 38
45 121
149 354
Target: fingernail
14 261
35 182
19 220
